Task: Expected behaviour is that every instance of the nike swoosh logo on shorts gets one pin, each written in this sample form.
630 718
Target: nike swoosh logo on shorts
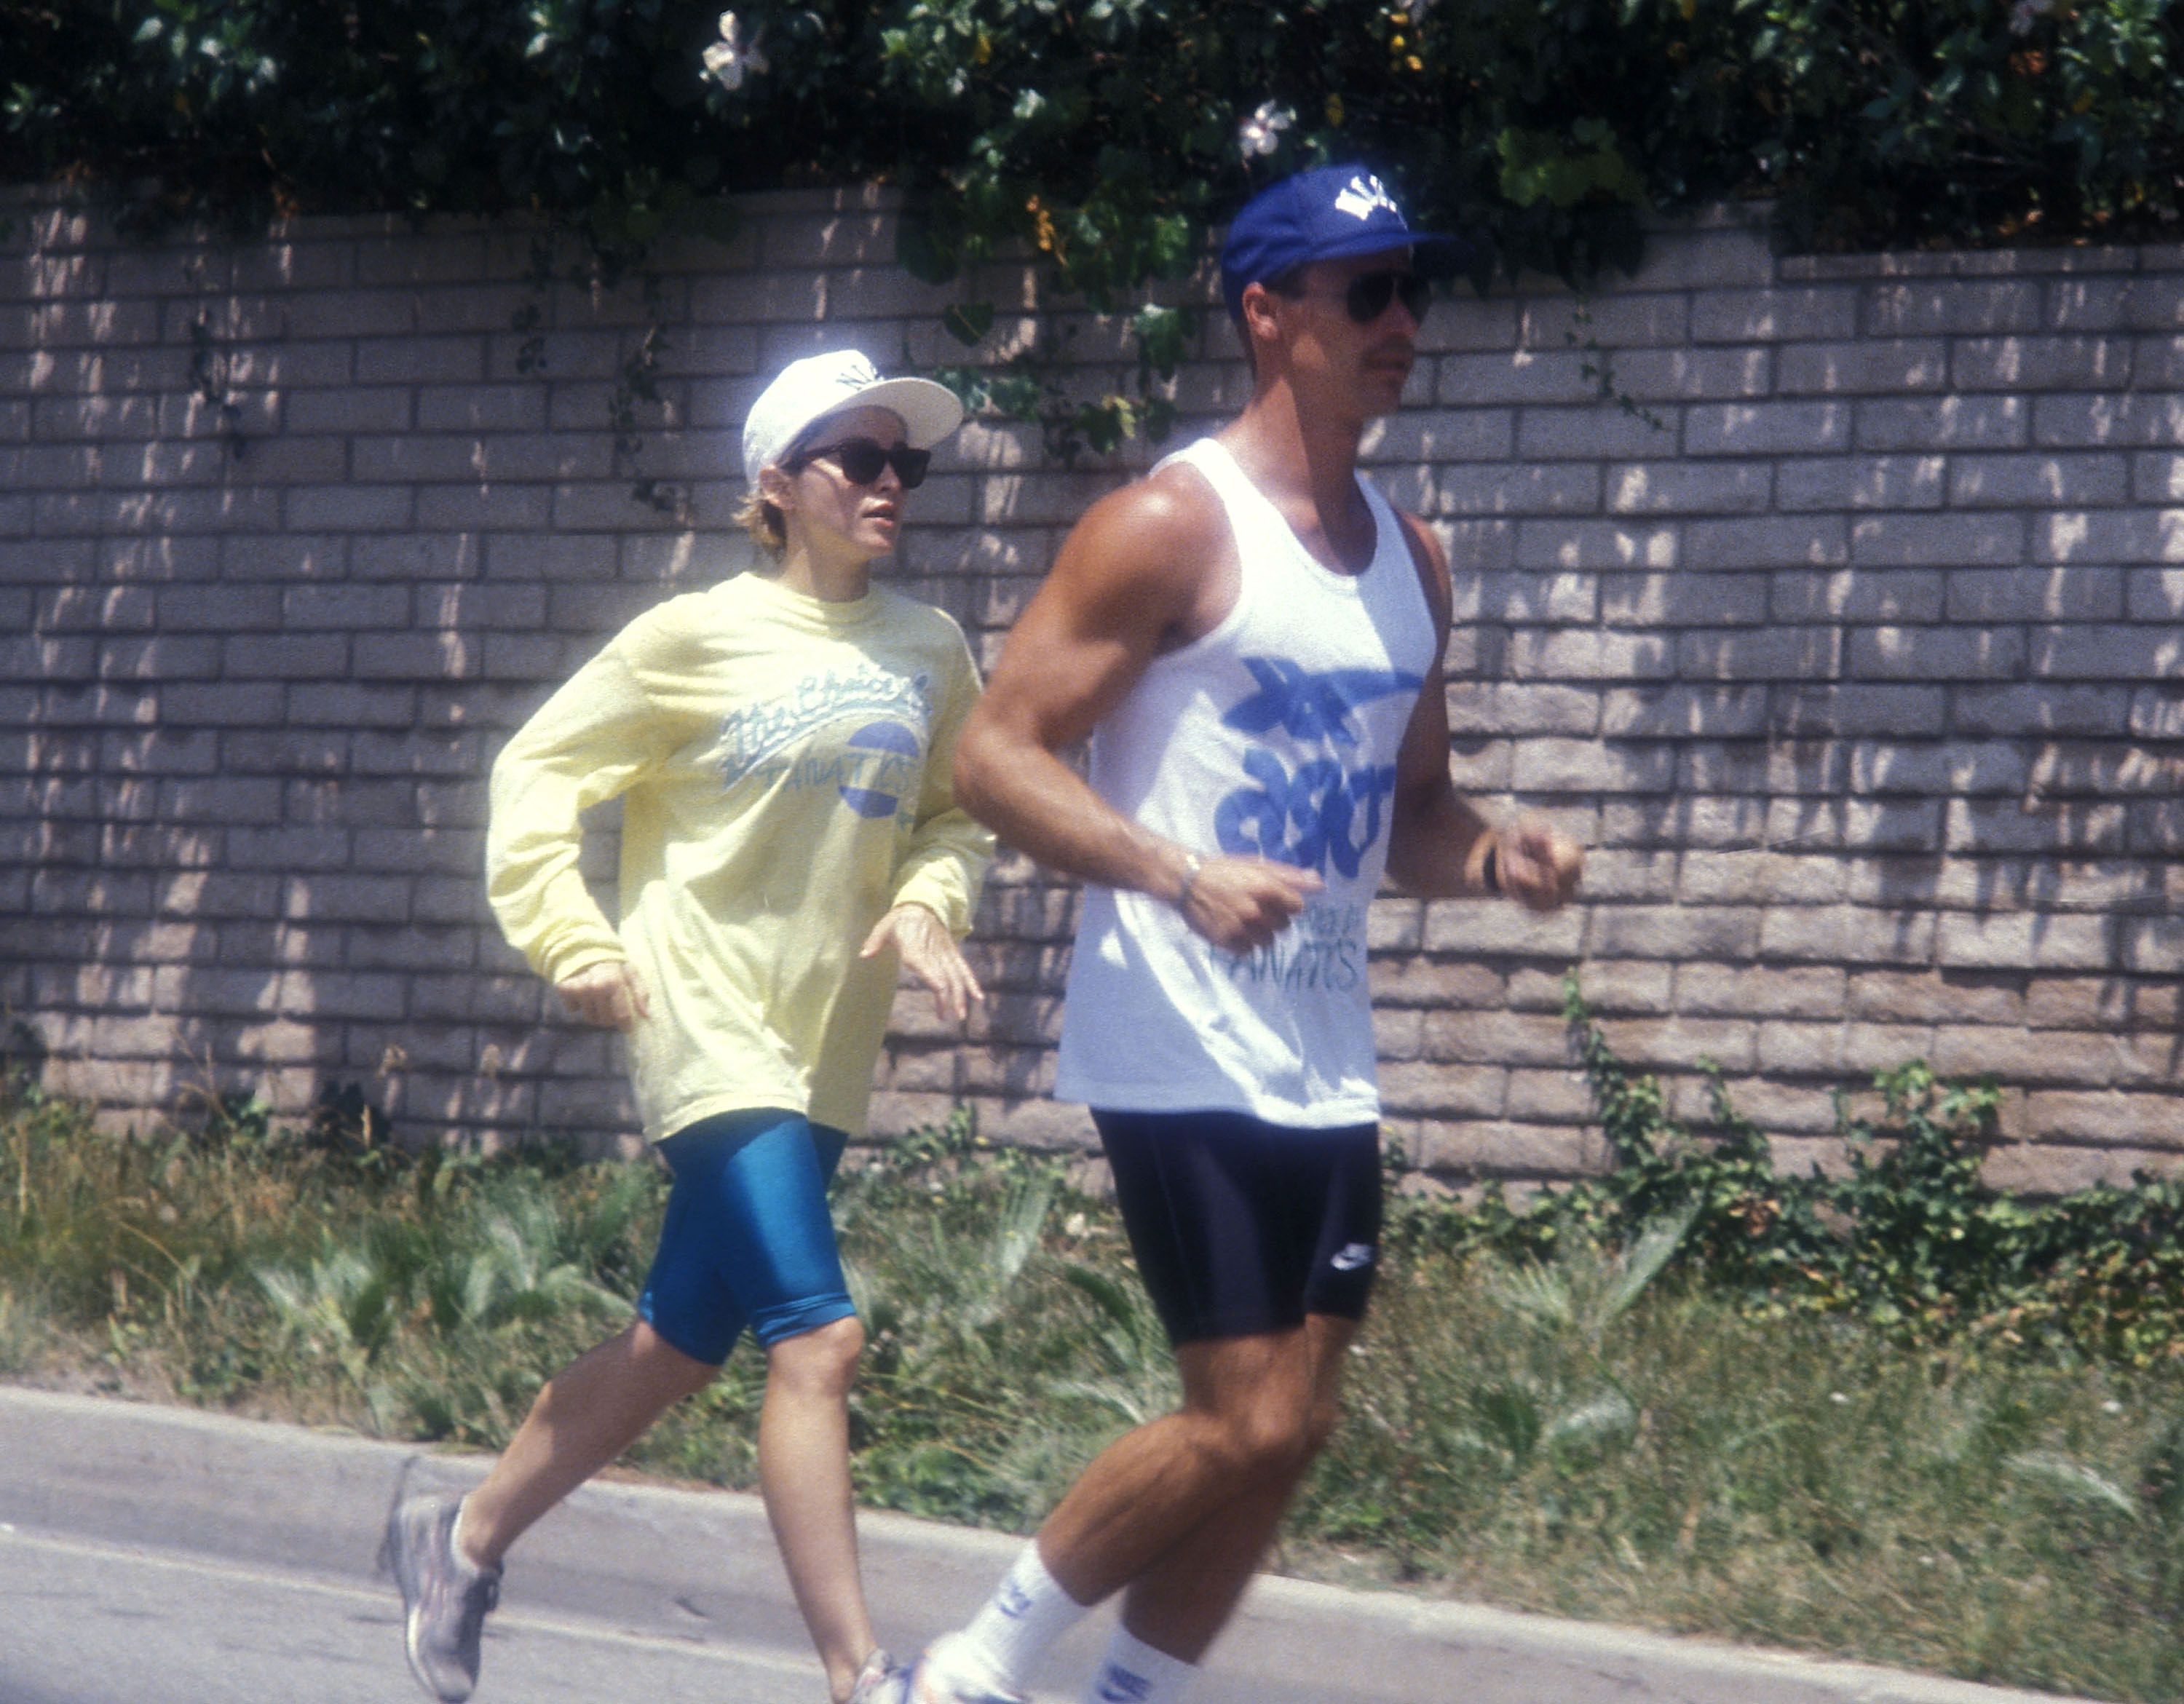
1351 1257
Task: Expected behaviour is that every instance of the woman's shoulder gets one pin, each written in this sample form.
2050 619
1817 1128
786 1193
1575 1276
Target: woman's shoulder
916 619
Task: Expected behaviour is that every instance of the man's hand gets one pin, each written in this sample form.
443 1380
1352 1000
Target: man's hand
930 953
1241 903
1538 864
607 994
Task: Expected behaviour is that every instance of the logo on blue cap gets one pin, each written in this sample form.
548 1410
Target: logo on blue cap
1331 213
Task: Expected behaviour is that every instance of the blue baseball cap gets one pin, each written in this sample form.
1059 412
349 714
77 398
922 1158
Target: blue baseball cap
1330 213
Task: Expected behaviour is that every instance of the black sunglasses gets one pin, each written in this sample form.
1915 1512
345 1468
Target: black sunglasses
1369 294
862 458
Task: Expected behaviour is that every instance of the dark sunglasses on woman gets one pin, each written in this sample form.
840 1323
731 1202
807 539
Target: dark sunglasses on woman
862 458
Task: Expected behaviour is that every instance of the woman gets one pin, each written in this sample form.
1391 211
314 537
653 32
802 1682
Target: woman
782 743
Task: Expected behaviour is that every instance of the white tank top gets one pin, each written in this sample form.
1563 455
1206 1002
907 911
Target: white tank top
1273 734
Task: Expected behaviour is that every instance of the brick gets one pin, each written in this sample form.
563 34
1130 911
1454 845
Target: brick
1530 708
1773 428
1709 712
1751 877
1933 654
1952 305
286 657
1772 315
1766 542
1562 598
2040 363
2023 940
1871 367
1471 381
416 361
1945 422
1587 431
1860 482
2080 419
1847 935
1685 487
1420 434
1611 322
2057 709
1610 985
1673 931
2106 652
1548 764
2124 1120
2037 594
2143 536
2036 481
1800 654
2034 825
1860 710
1945 996
1903 541
1594 544
1816 991
1549 488
1588 654
1474 1149
344 606
1669 599
349 508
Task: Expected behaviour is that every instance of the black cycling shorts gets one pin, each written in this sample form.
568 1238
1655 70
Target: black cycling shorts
1241 1226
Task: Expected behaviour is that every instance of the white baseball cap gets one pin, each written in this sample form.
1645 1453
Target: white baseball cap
817 386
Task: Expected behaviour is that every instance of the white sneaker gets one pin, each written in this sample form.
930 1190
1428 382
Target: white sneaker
924 1682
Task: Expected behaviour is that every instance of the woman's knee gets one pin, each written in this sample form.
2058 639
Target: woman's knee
666 1368
822 1360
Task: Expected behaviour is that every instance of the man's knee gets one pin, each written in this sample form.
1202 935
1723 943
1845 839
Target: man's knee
1266 1442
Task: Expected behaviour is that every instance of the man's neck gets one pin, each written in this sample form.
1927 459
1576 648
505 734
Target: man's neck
1305 460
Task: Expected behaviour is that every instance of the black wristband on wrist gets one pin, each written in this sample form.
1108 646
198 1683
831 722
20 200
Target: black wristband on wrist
1490 868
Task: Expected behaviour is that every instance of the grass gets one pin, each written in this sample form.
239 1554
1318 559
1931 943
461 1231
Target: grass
1607 1435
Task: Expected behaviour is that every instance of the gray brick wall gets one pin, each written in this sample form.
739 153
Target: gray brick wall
1862 672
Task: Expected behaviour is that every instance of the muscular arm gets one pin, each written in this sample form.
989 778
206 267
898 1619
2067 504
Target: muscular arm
1132 580
1438 845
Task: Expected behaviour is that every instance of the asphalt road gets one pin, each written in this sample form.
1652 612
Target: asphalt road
95 1623
152 1555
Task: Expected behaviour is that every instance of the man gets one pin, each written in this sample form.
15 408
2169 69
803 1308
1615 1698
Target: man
1252 639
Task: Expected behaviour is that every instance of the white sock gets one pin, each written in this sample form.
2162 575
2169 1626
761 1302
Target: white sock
462 1558
1133 1673
1006 1639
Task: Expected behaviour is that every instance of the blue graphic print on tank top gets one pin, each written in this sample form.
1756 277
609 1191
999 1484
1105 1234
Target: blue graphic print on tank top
1307 806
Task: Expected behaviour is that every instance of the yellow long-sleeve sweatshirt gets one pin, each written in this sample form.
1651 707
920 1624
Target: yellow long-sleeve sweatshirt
784 764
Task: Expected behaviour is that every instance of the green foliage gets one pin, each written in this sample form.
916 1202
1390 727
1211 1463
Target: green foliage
1566 1409
1104 138
1906 1238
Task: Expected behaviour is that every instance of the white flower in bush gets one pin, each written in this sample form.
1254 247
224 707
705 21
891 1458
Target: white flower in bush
731 59
1260 133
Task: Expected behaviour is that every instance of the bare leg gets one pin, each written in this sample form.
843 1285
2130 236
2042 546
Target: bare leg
1204 1486
1182 1601
586 1415
804 1471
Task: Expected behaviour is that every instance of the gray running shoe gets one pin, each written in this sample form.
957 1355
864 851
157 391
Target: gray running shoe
445 1599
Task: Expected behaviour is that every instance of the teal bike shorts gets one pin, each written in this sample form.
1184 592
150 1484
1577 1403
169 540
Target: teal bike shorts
748 1239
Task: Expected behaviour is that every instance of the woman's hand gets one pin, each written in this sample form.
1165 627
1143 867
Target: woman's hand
930 953
607 994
